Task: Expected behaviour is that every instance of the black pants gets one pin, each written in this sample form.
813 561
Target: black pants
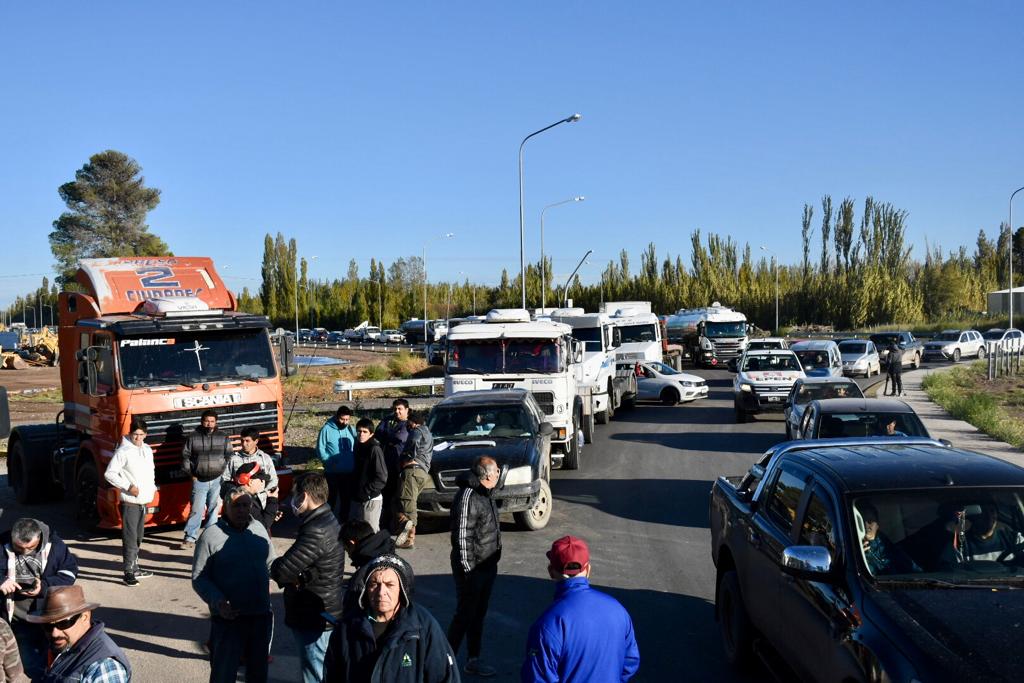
133 525
244 640
896 379
473 593
339 494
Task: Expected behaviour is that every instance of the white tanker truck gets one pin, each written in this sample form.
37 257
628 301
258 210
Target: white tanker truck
710 336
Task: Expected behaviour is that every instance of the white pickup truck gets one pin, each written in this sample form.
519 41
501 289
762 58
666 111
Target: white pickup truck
763 381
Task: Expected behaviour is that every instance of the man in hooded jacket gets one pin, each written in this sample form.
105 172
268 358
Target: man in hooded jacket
388 638
362 545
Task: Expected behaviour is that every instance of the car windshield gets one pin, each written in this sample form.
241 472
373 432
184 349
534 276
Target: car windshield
467 422
632 334
774 362
590 336
947 336
994 335
813 359
193 357
821 390
942 536
760 345
725 329
503 356
857 347
665 369
884 340
842 424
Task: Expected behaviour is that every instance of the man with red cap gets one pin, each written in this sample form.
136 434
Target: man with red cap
585 635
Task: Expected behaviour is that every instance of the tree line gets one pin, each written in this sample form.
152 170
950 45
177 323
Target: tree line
855 269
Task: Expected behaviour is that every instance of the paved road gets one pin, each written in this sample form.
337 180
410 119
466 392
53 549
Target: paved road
640 500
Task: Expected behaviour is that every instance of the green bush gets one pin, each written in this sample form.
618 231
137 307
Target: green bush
374 373
957 391
404 365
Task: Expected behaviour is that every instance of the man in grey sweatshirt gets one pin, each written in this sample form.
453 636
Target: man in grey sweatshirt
231 573
414 476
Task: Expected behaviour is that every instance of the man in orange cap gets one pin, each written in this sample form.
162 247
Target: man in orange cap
585 635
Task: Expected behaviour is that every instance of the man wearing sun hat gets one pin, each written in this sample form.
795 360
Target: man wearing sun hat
585 635
82 651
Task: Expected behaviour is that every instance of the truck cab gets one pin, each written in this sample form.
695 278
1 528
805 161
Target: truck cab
639 331
508 350
157 339
711 335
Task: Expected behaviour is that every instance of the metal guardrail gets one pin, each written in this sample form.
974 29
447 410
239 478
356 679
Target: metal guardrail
364 346
341 386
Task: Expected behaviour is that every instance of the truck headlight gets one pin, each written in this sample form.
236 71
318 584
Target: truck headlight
519 475
706 345
746 387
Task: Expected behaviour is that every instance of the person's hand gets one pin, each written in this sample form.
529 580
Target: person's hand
133 490
34 591
225 610
9 586
865 543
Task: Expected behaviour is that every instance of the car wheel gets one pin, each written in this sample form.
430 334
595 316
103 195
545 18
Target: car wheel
917 361
87 484
956 355
981 353
669 397
733 623
536 517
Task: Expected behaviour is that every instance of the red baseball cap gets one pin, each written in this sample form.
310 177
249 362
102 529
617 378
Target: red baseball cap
568 555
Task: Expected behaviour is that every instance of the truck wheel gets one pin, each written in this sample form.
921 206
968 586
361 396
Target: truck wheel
669 397
572 449
611 403
733 622
536 517
87 485
628 403
588 428
26 476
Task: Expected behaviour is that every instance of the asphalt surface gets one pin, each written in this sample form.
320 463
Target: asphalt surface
640 500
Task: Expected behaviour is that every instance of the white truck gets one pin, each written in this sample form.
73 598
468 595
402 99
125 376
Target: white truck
710 336
639 330
508 350
610 389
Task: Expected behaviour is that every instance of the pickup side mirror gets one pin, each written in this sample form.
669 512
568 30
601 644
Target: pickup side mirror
946 442
545 429
811 562
732 365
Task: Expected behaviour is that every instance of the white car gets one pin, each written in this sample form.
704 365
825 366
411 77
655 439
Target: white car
954 345
860 357
659 382
1009 340
391 337
767 343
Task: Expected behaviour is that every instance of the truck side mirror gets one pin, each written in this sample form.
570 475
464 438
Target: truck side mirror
5 414
616 338
86 374
577 352
545 429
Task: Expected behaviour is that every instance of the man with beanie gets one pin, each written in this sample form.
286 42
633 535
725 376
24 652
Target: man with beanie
203 457
585 635
335 446
133 473
310 572
476 549
362 545
413 476
388 638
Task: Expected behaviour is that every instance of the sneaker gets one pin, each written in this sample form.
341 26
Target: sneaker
142 573
474 667
130 580
403 535
187 545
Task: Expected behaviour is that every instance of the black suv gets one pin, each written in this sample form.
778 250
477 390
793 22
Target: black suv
507 425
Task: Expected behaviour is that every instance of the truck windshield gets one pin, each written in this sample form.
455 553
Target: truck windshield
725 329
590 336
941 536
632 334
467 422
503 356
193 357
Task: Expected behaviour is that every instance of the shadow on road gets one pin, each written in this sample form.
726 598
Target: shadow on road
710 442
172 626
678 502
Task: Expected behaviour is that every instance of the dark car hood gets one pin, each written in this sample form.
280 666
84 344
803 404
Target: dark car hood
964 634
461 454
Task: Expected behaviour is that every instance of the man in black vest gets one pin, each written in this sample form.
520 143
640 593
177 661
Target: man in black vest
81 649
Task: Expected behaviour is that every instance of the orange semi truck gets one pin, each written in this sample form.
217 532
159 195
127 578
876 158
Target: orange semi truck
157 339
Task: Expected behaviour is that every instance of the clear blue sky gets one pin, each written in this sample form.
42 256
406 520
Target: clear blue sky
363 129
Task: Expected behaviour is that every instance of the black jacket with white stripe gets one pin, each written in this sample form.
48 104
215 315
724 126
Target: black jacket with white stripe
476 533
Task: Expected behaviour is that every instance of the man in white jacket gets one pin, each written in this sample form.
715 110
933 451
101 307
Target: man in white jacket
131 470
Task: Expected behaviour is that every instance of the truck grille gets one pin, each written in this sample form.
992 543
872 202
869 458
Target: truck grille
727 349
448 478
546 400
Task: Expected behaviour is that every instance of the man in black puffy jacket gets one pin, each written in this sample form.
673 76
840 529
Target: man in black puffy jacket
310 572
476 549
203 457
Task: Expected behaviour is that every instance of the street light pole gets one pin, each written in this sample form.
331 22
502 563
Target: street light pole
775 267
522 217
1011 252
543 262
565 290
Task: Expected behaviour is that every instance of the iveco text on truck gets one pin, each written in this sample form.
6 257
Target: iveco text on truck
157 339
711 335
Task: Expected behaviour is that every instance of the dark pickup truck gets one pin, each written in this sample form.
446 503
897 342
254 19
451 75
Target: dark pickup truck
861 560
913 348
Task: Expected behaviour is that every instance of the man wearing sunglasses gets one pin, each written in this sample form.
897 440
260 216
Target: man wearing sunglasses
82 650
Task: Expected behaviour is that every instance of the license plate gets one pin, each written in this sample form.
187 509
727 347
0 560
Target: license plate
774 399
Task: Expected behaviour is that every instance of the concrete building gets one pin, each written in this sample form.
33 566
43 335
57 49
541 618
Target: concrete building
999 302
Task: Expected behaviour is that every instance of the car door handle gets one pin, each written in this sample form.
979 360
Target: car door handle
754 538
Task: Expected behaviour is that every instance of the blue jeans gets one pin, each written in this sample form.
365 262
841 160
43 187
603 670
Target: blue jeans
205 499
312 649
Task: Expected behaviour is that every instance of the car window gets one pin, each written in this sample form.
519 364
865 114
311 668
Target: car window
817 527
785 498
807 423
842 425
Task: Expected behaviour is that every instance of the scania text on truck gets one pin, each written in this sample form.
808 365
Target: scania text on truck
157 339
710 336
609 389
509 351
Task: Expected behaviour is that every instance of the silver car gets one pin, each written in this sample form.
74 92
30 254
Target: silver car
810 389
1009 340
954 345
860 357
661 382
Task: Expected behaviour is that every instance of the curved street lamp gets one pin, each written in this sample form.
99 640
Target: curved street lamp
565 290
522 218
543 263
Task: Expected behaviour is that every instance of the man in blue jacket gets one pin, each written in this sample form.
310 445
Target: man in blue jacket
335 447
585 635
